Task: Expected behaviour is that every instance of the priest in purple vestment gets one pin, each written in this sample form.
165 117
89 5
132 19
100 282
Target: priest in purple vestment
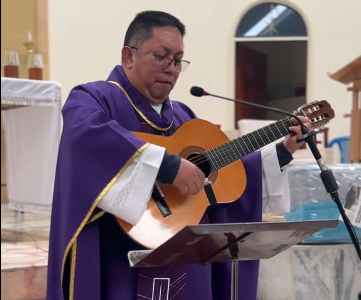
104 171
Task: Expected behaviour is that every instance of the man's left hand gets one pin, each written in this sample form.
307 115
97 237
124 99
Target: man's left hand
290 140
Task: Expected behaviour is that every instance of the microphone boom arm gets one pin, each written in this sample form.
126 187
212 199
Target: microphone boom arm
274 109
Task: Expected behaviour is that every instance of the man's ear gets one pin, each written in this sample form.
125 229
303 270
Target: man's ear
127 57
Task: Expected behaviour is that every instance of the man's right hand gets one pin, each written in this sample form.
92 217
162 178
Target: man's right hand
189 179
181 173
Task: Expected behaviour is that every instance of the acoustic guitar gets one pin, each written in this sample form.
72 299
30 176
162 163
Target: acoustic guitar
204 144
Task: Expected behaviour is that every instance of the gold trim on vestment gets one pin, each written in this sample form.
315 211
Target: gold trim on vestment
149 122
72 272
72 243
97 216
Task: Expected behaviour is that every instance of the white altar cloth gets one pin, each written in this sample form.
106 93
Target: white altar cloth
32 134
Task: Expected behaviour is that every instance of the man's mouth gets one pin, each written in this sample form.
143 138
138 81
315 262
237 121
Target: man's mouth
165 82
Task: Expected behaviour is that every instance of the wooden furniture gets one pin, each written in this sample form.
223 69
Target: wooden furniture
324 142
351 73
204 144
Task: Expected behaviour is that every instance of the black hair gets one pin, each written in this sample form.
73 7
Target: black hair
141 28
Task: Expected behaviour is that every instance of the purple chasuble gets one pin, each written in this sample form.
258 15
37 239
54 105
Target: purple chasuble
88 250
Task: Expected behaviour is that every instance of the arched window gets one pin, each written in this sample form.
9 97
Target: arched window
271 60
271 20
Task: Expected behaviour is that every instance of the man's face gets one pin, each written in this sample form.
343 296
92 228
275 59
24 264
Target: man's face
152 71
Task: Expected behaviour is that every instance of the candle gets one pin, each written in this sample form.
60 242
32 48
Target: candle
29 36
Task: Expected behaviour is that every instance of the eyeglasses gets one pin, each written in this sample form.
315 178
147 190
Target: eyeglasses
164 62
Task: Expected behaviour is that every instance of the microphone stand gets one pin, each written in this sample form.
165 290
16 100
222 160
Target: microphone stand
330 184
326 174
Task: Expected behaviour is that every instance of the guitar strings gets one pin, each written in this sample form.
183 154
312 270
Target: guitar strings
221 150
200 159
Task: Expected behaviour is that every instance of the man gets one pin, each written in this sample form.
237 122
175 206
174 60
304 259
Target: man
104 171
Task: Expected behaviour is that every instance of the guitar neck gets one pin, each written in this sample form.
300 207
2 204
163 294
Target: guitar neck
231 151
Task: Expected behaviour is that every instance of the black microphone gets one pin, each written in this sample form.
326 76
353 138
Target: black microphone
326 174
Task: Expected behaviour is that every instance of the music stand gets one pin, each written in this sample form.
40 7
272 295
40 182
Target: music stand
204 244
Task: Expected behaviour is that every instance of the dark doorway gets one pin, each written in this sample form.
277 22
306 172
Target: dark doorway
271 60
270 73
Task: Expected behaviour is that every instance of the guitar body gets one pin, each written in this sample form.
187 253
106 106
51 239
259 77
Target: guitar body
228 181
228 184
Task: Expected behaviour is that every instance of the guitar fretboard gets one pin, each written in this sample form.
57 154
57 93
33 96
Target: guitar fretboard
231 151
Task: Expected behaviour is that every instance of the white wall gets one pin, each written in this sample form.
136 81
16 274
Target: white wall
86 37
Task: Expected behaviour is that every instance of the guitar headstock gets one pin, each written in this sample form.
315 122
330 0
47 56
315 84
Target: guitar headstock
319 112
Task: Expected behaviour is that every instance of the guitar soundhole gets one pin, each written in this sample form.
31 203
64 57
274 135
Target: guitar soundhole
194 154
201 161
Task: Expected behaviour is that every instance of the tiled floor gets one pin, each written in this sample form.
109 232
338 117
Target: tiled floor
24 255
20 227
